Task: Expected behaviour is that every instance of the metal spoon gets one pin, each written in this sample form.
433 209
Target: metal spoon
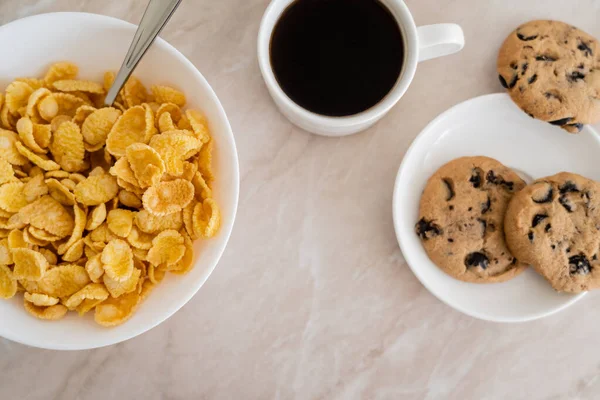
155 17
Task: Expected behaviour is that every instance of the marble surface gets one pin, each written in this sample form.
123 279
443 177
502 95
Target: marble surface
313 299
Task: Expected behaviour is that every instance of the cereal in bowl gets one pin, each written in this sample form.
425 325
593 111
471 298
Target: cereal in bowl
97 203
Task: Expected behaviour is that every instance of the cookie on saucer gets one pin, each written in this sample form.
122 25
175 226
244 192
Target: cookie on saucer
554 225
552 72
461 218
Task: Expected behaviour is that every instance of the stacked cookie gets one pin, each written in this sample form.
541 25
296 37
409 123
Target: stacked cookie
479 222
552 72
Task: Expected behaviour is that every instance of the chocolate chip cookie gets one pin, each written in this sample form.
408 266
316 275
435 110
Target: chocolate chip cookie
554 225
461 219
552 72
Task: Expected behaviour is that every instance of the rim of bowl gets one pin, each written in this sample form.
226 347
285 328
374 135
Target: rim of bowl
396 219
138 330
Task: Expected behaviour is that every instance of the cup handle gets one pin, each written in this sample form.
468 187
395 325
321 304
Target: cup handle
439 40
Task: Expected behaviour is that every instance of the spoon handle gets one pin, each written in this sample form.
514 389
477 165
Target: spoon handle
155 17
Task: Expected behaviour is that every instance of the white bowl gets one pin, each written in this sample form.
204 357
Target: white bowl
97 44
492 126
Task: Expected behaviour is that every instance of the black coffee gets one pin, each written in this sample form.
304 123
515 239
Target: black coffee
337 57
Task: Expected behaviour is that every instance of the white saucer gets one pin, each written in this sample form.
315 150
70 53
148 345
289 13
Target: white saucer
495 127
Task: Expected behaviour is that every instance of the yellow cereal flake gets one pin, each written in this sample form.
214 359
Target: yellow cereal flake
122 170
115 311
139 239
5 253
41 300
120 222
7 174
61 71
40 160
57 121
8 283
134 92
71 85
98 124
82 113
8 119
47 108
52 313
75 252
149 223
186 263
8 148
173 110
29 264
206 219
92 291
117 259
33 82
168 197
25 130
69 184
15 240
17 95
117 288
60 192
199 125
202 191
130 128
12 198
40 235
50 256
174 147
165 123
32 103
167 248
49 215
94 268
166 94
32 240
129 199
63 280
96 217
204 161
96 189
146 164
67 147
80 221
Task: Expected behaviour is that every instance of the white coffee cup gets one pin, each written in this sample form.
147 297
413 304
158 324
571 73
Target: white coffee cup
421 43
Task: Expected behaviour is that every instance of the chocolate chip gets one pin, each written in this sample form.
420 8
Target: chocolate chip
585 48
595 257
483 226
581 66
565 203
494 179
568 250
579 264
550 95
491 227
450 240
450 208
476 176
577 126
427 229
575 76
503 82
568 187
450 187
514 261
485 207
514 65
526 38
547 228
470 209
531 115
544 57
553 247
537 219
547 197
562 121
476 259
530 236
532 79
